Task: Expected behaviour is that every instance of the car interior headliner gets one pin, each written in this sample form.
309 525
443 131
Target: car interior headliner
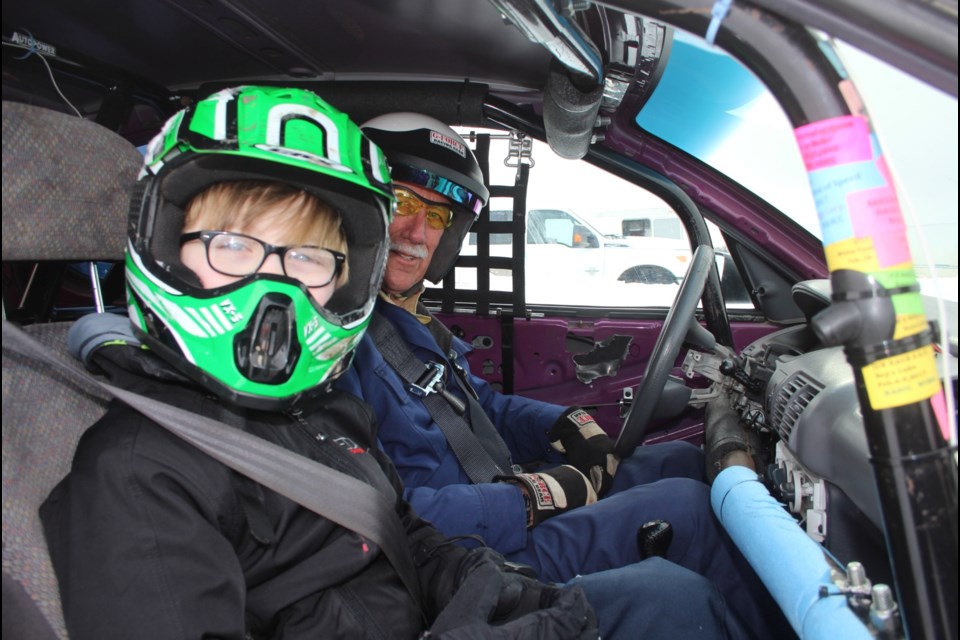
180 44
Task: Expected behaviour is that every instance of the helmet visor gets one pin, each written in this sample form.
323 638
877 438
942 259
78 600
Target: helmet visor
434 182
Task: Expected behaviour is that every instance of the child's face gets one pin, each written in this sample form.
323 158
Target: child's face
193 255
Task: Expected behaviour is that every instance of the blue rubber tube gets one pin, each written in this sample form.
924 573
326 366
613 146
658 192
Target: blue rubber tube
789 562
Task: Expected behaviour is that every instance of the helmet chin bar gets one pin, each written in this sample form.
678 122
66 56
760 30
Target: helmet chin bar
268 349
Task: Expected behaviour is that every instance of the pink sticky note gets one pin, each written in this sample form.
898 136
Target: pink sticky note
834 141
884 169
891 247
875 211
939 404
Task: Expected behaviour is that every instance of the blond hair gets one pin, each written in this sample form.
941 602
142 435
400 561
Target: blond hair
301 217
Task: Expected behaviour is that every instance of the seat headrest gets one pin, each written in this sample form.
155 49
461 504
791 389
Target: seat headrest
66 186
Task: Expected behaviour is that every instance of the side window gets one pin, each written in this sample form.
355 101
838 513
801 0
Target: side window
592 239
550 226
495 238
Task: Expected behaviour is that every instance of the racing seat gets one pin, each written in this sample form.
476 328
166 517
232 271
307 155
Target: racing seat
66 193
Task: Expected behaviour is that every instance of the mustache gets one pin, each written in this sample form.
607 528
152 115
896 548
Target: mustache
415 250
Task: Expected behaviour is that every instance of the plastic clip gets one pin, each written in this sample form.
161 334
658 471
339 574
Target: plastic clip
720 10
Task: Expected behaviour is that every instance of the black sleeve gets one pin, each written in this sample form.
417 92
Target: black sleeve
442 565
136 535
481 589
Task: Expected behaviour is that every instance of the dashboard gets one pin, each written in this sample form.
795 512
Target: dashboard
799 400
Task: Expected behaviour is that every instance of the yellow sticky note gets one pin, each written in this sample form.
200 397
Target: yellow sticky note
902 379
909 324
856 254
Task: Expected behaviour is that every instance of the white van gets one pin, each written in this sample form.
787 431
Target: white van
658 224
631 260
565 252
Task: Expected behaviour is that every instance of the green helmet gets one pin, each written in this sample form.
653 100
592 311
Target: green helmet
261 342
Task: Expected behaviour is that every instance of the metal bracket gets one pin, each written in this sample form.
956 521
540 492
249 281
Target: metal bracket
700 397
706 364
626 400
520 151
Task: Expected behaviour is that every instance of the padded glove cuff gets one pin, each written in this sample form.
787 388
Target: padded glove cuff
552 492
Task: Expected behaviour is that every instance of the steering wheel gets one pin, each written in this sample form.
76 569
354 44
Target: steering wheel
665 352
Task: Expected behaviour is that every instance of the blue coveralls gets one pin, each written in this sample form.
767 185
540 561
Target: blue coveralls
658 482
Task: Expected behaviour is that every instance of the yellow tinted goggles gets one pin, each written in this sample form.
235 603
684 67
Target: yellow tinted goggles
439 216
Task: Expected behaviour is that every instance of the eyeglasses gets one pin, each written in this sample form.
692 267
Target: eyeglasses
439 216
239 255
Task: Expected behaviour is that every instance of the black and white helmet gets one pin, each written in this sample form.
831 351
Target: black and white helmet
425 152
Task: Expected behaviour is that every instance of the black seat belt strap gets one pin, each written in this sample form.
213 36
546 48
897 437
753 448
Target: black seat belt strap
351 503
444 338
482 457
482 425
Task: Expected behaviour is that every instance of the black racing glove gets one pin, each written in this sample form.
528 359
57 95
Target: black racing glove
587 447
552 492
493 602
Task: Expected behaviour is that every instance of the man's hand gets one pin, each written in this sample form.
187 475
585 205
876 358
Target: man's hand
587 447
552 492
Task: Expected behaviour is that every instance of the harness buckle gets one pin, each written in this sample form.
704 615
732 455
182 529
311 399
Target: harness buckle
430 382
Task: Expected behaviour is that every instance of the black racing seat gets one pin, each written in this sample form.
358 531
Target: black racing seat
66 193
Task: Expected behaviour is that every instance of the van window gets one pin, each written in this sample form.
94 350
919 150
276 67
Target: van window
637 227
668 228
661 224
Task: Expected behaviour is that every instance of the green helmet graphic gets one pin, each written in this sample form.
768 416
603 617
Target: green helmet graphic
260 342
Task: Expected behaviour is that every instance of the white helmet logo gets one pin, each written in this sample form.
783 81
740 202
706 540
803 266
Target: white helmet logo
446 141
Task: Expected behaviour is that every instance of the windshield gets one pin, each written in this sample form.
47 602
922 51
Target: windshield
709 105
606 238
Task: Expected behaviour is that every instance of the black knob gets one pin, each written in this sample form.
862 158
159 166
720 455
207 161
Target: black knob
654 538
727 366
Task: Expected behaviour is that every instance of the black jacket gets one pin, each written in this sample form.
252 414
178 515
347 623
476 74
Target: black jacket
151 538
